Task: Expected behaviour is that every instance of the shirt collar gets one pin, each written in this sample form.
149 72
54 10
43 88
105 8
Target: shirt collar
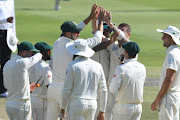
131 60
67 39
170 48
16 56
81 57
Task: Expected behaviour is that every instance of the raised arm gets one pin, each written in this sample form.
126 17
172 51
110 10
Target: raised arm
104 45
108 19
92 14
97 39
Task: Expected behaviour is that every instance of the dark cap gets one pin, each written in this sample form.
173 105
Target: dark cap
70 26
131 47
27 46
42 46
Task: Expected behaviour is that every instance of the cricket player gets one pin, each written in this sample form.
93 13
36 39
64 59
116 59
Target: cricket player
84 79
102 56
41 74
61 58
115 50
127 85
16 81
168 98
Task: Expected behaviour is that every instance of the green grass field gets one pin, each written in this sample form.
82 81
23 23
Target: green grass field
147 114
37 21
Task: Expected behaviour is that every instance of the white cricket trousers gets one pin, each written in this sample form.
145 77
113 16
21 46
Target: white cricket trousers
18 110
82 109
39 108
169 106
127 111
54 100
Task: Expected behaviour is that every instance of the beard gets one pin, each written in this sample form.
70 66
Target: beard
46 56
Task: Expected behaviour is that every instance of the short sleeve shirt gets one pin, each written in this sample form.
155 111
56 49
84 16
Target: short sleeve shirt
172 61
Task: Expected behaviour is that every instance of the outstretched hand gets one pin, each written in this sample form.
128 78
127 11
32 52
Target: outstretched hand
102 14
108 17
94 11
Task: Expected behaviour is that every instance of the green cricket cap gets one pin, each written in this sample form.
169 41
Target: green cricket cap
42 46
27 46
131 47
70 26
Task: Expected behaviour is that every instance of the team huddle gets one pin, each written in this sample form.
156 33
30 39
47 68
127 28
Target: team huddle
97 78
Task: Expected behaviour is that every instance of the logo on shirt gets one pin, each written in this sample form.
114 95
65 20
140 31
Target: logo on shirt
49 76
114 48
115 75
171 60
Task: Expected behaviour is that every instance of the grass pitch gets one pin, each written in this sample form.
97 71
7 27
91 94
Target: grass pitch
149 95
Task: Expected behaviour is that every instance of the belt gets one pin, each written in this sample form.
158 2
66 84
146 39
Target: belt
128 103
3 30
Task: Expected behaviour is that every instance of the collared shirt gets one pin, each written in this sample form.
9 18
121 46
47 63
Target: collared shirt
61 57
128 82
115 59
103 57
172 61
7 10
83 80
16 76
42 74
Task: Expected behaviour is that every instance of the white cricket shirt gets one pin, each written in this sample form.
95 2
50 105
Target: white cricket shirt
172 61
128 82
83 80
16 76
61 57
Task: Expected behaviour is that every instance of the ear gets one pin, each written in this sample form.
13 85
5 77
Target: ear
129 34
126 54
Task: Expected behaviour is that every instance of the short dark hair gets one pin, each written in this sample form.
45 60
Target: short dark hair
131 55
128 28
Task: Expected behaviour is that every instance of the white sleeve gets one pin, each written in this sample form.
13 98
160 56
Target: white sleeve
82 25
28 62
121 35
47 75
103 92
94 41
68 86
172 62
116 81
51 63
3 21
